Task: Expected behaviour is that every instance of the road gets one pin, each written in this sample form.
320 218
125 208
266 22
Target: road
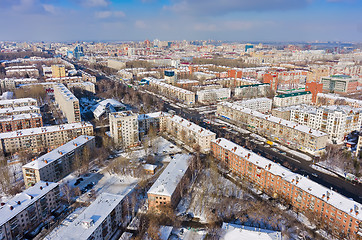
295 164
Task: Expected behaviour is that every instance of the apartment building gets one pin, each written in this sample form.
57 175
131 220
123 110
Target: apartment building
4 112
22 72
263 105
254 90
189 133
124 128
336 120
55 165
58 71
340 84
21 121
9 84
157 120
332 99
43 138
86 77
86 86
286 132
166 191
295 98
27 210
20 102
213 95
67 102
338 212
65 80
182 95
107 214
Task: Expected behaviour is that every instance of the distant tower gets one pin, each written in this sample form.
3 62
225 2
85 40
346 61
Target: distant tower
78 52
170 77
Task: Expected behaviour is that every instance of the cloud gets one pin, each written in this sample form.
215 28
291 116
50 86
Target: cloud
49 8
95 3
109 14
140 24
206 7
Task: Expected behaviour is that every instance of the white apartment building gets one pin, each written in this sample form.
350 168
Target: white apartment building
190 133
286 132
20 102
124 128
331 99
99 221
86 77
255 90
263 105
43 138
67 102
182 95
18 110
213 95
87 86
157 120
22 72
27 210
295 98
55 165
336 120
65 80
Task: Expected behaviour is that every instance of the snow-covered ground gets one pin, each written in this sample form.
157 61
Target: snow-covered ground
320 169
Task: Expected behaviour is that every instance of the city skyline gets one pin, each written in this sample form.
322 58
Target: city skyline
261 20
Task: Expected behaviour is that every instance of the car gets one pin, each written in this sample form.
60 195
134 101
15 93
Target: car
80 179
76 183
83 190
93 171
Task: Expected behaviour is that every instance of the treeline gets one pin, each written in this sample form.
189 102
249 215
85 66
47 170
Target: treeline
23 54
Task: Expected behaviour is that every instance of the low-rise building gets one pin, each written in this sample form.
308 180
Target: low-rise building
305 195
336 120
286 132
340 84
166 191
190 133
156 120
124 128
182 95
254 90
43 138
21 121
86 77
213 95
18 110
86 86
263 105
20 102
295 98
335 99
67 102
100 220
27 210
55 165
65 80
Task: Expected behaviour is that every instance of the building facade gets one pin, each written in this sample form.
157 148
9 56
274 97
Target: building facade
213 95
5 112
289 133
58 71
124 128
27 210
67 102
166 191
55 165
20 102
65 80
340 84
295 98
263 105
341 214
43 138
255 90
21 121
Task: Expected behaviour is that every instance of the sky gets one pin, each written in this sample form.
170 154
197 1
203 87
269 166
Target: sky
134 20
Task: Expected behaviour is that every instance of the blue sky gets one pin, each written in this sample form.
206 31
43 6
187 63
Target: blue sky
234 20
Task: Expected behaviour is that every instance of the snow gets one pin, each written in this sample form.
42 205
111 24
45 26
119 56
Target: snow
23 101
239 232
165 232
320 169
191 126
5 111
169 179
20 117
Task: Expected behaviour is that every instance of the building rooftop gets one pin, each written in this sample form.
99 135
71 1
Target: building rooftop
342 76
22 200
191 126
170 177
20 116
91 218
335 199
42 130
293 94
66 93
283 122
240 232
16 101
58 152
254 85
18 109
123 114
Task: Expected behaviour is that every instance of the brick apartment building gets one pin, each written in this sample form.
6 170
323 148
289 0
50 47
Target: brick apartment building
21 121
339 213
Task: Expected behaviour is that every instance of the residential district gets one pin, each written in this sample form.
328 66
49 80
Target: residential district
180 140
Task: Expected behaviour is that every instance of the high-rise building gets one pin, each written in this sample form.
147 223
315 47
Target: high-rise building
124 128
78 52
340 84
58 71
67 102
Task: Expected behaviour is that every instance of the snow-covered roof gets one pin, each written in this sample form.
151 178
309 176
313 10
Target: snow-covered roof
47 129
18 109
335 97
152 115
270 118
23 200
240 232
149 167
335 199
167 182
91 218
65 92
58 152
16 101
20 116
111 104
191 126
